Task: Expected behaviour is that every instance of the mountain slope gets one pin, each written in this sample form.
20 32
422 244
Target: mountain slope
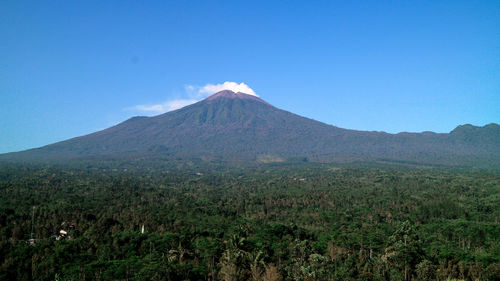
238 126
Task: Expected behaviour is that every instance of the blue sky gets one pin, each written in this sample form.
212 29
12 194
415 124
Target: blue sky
69 68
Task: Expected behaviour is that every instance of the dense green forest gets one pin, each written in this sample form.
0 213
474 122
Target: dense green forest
267 222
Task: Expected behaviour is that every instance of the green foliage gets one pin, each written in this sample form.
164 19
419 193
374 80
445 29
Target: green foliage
404 249
425 271
268 222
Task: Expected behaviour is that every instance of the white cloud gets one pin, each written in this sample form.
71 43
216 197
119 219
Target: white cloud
195 94
233 86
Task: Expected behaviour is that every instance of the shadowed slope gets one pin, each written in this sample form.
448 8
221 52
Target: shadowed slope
238 126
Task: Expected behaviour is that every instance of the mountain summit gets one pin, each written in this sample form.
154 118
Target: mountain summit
243 127
228 94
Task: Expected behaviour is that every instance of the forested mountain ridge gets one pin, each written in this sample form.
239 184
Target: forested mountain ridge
237 126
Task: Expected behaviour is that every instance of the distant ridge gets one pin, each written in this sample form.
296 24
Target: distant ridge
241 127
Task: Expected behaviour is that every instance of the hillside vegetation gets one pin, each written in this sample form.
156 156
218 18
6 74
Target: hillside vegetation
237 127
266 222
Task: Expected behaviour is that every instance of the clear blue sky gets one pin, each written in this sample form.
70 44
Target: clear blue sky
69 68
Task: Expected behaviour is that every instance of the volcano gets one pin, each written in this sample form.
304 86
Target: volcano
242 127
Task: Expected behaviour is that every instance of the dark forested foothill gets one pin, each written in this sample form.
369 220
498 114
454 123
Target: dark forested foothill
299 221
